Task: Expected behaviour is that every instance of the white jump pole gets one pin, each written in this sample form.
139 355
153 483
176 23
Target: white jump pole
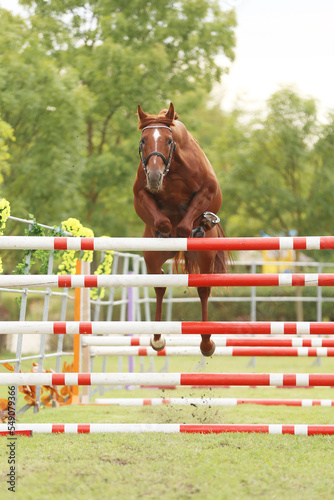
168 327
168 379
212 402
165 244
220 351
299 429
220 341
166 280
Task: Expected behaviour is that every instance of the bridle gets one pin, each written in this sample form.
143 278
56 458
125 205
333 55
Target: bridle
167 161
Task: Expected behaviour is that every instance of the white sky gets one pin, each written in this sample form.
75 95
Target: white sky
278 42
282 42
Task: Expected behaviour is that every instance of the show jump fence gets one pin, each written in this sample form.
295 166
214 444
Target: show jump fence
174 328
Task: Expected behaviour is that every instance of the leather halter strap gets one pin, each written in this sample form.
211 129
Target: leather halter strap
167 161
157 126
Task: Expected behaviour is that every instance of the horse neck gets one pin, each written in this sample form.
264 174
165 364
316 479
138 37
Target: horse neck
186 144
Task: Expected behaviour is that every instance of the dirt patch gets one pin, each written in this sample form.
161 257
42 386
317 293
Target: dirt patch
120 461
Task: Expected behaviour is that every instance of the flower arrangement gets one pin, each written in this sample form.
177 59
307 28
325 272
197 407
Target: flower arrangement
4 214
70 256
104 268
49 393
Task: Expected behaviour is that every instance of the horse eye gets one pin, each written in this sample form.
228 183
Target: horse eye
143 141
169 142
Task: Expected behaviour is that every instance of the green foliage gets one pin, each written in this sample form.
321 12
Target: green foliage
275 172
75 74
6 135
70 80
41 255
43 105
271 182
321 212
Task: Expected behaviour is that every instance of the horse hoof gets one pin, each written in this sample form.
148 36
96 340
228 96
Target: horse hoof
161 235
158 345
198 232
207 354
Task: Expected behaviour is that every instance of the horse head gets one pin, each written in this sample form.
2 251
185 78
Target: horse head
156 146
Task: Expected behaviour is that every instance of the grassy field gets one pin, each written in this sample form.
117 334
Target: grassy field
179 466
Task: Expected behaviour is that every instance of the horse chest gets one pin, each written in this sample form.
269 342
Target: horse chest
174 200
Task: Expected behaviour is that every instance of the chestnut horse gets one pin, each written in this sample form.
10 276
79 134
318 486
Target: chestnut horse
176 194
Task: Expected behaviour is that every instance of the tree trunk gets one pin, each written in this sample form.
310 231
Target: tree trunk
90 146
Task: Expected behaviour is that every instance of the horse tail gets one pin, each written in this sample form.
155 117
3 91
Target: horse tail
222 257
188 266
182 264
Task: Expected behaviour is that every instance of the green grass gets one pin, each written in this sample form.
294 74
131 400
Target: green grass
161 466
158 466
168 466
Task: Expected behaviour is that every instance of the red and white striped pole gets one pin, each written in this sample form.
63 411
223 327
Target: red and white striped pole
167 280
169 379
213 402
294 429
220 341
169 327
220 351
166 244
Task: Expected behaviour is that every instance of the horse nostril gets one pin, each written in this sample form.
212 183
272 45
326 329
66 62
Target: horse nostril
154 176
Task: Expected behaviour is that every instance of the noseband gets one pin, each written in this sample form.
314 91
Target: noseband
167 161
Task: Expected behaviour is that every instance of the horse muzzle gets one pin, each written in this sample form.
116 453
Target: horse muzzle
154 181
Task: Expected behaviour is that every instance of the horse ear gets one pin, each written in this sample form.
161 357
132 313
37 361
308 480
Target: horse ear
141 114
171 112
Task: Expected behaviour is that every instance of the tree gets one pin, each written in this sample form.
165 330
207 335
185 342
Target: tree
271 184
322 184
125 53
6 135
43 105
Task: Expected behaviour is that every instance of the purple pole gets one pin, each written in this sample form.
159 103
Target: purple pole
130 318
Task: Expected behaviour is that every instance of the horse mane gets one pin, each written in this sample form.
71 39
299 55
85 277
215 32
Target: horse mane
161 118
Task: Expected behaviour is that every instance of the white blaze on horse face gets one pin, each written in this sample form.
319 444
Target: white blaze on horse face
156 135
154 173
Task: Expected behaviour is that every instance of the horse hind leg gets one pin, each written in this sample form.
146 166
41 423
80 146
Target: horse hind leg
206 262
207 345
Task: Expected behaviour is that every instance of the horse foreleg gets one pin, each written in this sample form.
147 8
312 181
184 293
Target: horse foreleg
157 342
149 212
154 262
207 345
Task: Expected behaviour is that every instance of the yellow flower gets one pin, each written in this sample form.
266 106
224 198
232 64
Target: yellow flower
4 214
104 268
70 256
